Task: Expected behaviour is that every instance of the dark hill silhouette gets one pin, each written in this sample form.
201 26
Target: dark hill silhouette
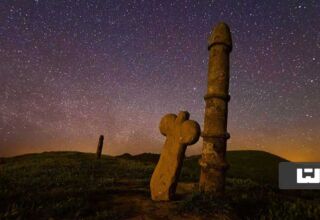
259 166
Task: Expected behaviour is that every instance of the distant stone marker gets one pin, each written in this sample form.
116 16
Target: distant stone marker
100 146
179 132
213 161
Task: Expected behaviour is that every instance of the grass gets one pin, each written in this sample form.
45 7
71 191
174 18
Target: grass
74 185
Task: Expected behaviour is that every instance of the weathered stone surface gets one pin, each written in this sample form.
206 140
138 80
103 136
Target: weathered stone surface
100 146
179 132
213 161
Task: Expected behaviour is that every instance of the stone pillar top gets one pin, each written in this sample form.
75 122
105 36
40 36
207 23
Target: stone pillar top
220 35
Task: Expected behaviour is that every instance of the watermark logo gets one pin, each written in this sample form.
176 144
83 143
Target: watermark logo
299 175
308 175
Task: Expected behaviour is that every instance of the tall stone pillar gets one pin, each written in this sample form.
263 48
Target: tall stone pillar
100 146
213 161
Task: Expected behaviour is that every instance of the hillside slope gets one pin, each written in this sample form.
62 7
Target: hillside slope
259 166
74 185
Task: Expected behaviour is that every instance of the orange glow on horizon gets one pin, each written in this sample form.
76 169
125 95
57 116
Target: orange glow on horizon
293 155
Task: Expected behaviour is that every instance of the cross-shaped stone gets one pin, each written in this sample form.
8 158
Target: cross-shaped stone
180 132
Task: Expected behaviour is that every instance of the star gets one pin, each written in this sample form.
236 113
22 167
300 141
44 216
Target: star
74 70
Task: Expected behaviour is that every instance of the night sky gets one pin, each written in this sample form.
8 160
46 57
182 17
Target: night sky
72 70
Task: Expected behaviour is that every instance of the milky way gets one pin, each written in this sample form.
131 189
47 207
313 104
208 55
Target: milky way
72 70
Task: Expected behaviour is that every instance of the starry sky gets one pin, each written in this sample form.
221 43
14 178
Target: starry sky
72 70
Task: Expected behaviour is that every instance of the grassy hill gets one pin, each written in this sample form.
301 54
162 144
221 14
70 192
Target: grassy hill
74 185
259 166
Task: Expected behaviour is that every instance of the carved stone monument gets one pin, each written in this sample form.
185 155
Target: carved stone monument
100 146
213 161
179 132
